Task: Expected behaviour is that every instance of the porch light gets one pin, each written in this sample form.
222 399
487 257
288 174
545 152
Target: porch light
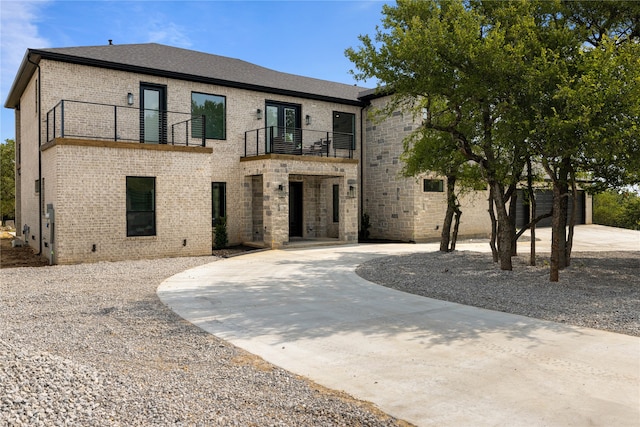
307 119
130 98
259 114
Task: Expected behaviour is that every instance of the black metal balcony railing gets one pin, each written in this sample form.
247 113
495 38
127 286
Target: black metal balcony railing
90 120
299 142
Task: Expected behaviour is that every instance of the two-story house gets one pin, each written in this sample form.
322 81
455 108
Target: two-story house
136 151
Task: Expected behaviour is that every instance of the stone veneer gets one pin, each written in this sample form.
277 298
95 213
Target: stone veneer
397 206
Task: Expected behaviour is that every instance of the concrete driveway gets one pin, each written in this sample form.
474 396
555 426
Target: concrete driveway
429 362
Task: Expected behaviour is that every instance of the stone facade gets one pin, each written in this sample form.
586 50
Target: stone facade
398 207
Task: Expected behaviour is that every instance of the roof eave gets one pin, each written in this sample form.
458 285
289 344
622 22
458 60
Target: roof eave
188 77
25 71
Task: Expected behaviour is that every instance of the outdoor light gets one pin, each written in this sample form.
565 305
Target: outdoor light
130 98
259 114
307 119
352 192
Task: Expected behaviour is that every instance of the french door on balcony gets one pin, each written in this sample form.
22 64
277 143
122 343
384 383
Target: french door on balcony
153 114
283 127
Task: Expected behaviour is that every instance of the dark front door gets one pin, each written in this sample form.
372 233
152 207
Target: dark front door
295 209
283 128
153 114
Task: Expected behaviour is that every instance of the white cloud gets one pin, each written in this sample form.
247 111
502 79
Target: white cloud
18 32
161 31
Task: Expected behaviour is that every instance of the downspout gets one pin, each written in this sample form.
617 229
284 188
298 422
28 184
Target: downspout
39 152
361 190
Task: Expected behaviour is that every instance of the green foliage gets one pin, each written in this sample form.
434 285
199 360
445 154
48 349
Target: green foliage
504 82
7 180
617 209
221 239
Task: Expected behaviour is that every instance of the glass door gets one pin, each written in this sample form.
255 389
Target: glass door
283 128
153 114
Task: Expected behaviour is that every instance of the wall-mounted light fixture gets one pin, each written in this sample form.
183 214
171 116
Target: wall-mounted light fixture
259 114
352 192
280 187
130 98
307 119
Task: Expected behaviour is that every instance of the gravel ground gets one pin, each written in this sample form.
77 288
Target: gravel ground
600 290
92 345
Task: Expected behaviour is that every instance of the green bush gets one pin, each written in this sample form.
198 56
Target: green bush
221 239
617 209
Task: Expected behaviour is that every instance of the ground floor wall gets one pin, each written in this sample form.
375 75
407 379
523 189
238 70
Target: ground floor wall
86 185
405 211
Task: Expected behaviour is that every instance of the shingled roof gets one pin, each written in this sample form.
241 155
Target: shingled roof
168 61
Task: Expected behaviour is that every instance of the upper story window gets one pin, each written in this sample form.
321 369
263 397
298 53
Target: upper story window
214 108
344 130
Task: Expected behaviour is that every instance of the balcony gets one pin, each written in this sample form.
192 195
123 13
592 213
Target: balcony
298 142
94 121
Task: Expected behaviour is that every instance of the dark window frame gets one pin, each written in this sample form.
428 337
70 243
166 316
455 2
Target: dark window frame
433 185
134 214
195 133
336 203
222 201
335 115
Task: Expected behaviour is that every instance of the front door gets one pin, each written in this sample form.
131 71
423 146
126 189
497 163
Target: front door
283 128
295 209
153 114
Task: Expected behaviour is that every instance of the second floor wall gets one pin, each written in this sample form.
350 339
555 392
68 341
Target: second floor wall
97 91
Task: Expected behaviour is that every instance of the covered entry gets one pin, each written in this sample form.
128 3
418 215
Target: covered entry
300 200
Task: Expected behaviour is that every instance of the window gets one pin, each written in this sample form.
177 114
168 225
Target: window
213 107
433 185
344 130
336 203
218 201
141 206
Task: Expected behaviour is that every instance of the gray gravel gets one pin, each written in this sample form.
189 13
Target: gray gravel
92 345
599 290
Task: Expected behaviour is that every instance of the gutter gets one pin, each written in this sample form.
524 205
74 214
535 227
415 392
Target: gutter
39 85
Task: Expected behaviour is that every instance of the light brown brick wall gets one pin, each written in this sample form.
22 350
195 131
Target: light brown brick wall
90 84
89 196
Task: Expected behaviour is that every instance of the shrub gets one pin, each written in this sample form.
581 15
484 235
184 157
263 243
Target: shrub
221 239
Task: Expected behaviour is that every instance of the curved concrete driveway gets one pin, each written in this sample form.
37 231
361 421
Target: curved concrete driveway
422 360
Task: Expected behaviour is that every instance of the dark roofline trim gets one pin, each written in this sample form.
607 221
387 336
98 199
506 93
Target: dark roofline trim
188 77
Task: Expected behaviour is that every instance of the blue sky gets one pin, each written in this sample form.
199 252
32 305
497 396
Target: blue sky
297 36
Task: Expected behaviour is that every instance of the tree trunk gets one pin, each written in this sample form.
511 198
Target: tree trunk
572 218
494 227
505 228
456 225
555 237
445 236
563 184
512 220
532 212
